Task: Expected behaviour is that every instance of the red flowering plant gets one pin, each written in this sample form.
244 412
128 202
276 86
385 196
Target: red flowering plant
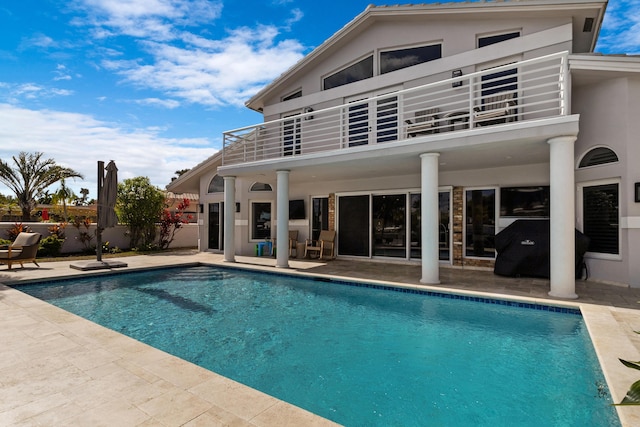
171 222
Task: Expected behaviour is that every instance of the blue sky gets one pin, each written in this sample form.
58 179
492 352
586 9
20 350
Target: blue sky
152 84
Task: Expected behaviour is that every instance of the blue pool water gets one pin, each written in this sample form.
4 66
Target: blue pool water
358 355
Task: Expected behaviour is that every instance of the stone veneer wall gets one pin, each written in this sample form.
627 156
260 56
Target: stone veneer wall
332 211
458 229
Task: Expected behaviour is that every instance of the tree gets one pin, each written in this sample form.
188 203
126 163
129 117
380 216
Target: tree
171 222
64 194
30 177
179 173
83 200
139 206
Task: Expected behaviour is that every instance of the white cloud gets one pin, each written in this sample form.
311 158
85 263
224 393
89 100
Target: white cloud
621 28
79 141
149 19
15 92
38 41
185 65
214 73
164 103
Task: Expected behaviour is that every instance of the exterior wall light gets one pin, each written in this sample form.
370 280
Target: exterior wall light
637 192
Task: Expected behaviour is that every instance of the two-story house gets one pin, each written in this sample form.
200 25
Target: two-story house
418 132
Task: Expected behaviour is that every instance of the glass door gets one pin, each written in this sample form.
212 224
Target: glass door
319 216
216 225
444 225
389 237
353 223
291 136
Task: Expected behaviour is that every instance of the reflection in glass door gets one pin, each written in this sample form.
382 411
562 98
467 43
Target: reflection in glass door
319 216
444 226
216 228
389 226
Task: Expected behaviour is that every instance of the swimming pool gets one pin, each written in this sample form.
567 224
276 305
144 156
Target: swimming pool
359 355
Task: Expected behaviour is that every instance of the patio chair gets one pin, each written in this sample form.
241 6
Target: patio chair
23 249
325 242
425 121
497 108
293 242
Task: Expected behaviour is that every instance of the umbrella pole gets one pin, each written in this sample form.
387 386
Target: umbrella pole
100 201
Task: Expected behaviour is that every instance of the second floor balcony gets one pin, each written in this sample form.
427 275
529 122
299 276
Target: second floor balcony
518 92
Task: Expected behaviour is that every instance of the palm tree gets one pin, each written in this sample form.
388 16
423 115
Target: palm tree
64 194
30 177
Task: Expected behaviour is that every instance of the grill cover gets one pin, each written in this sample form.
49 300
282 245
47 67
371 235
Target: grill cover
523 249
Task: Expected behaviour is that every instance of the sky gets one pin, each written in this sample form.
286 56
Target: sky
153 84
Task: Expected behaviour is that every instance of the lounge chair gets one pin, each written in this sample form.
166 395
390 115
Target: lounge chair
498 108
425 121
293 242
23 249
325 242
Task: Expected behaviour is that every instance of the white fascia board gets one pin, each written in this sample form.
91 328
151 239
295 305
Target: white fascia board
622 64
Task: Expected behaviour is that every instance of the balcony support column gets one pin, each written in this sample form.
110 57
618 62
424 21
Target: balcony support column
430 221
562 218
229 218
282 228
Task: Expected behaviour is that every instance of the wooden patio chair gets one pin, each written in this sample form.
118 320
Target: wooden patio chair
425 121
293 242
325 242
23 249
497 108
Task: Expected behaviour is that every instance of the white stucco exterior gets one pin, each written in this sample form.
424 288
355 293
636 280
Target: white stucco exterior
561 112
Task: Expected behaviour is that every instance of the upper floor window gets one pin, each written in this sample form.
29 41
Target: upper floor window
598 156
261 186
296 94
497 38
393 60
361 70
216 185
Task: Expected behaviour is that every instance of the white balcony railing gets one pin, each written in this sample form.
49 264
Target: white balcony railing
516 92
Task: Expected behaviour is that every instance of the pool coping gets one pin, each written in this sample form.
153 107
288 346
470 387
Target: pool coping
209 397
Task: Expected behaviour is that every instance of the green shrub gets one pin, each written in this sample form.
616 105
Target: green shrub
50 246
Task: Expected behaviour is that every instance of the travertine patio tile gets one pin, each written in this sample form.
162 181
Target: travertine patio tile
218 417
87 359
176 371
31 409
114 413
56 416
236 398
175 407
286 415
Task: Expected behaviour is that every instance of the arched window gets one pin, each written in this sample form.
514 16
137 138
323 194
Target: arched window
598 156
216 185
261 186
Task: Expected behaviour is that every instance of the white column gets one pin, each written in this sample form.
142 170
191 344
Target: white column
430 221
229 218
562 217
282 230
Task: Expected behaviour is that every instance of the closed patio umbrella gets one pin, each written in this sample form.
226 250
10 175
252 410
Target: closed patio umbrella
107 193
107 197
